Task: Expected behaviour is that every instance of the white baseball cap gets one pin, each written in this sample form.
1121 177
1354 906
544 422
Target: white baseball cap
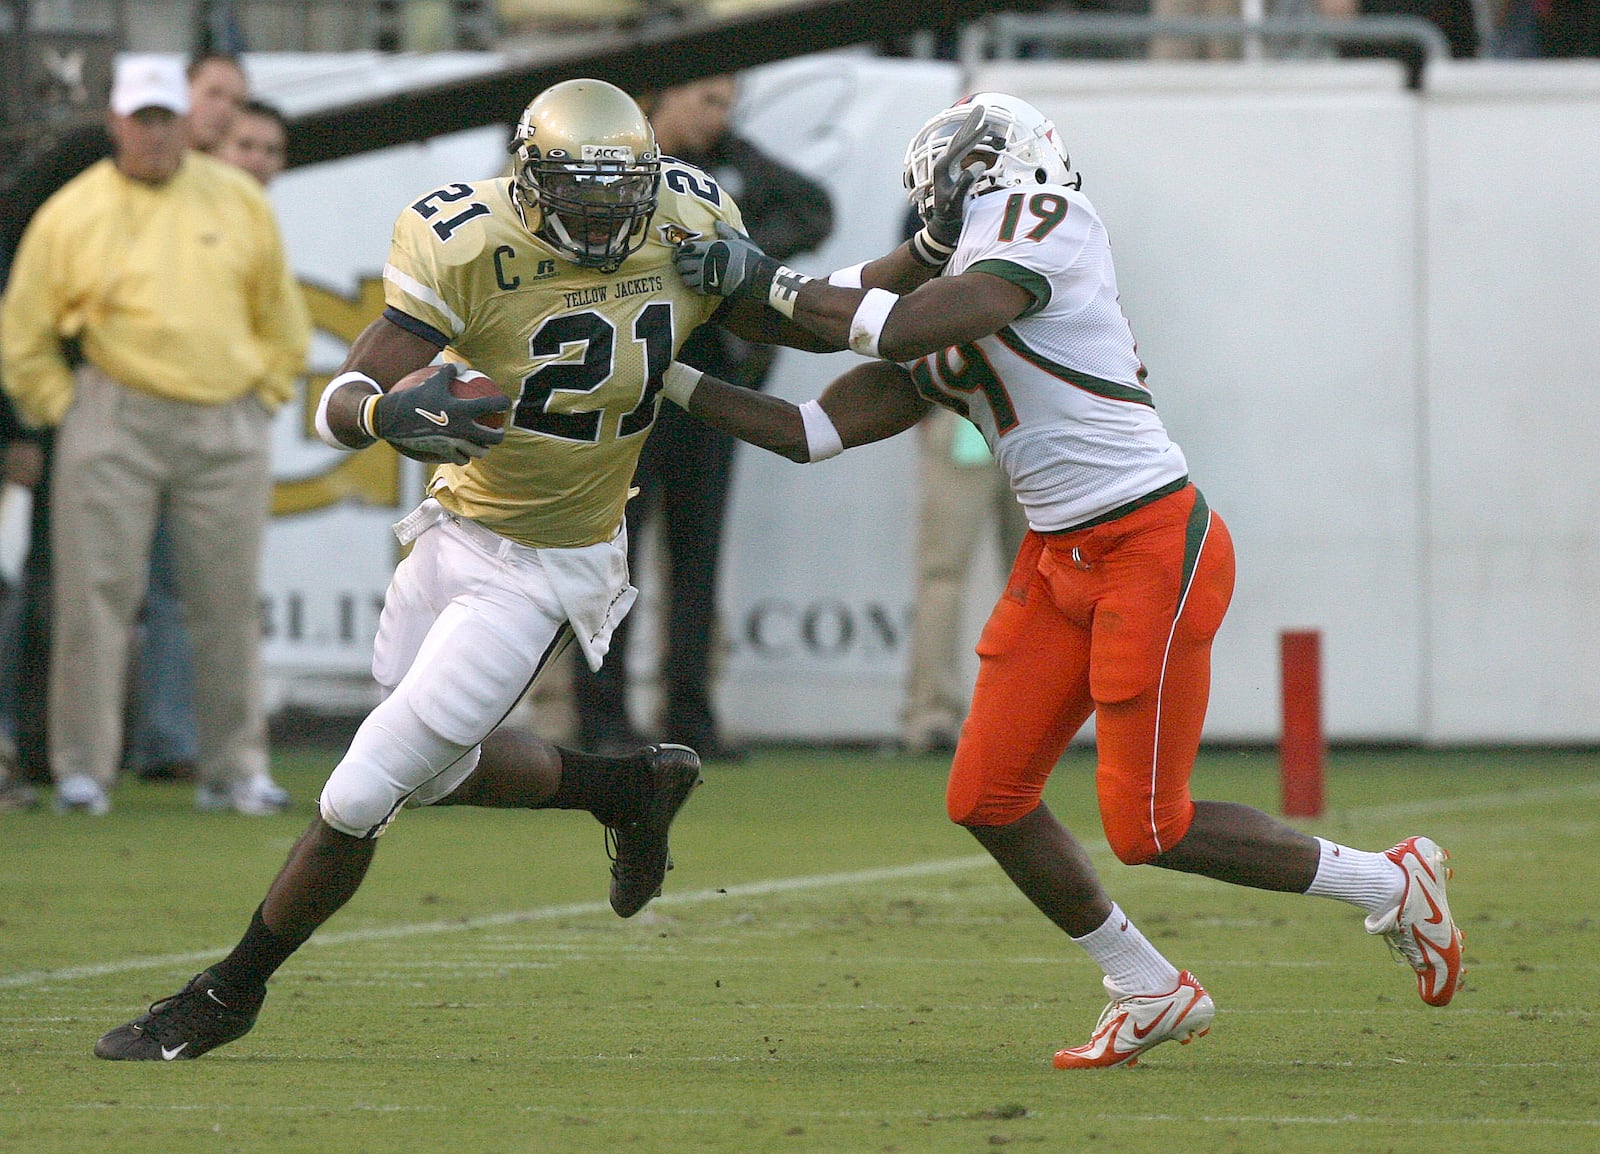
147 80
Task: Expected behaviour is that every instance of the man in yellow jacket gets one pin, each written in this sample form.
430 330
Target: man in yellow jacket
165 269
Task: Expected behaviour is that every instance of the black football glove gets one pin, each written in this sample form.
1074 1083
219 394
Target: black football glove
731 266
952 182
430 423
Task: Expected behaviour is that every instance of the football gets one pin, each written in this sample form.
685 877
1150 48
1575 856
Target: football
469 383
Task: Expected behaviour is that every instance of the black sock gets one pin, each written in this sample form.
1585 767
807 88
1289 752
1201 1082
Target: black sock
256 958
602 785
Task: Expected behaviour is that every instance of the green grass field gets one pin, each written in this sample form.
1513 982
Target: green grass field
834 968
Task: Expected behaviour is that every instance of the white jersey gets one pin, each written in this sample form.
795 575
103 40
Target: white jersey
1059 393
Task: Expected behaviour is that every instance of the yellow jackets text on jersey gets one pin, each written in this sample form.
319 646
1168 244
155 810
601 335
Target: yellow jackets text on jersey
580 352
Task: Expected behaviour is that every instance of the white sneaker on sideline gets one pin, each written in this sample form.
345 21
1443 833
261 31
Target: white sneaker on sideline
257 796
1419 929
81 793
1132 1024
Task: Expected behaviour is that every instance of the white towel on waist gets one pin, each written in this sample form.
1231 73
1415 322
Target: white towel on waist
592 583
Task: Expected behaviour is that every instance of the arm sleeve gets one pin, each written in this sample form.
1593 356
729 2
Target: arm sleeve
1036 253
419 283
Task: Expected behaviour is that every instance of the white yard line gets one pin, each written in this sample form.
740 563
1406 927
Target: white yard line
1344 1120
514 917
634 1110
1470 803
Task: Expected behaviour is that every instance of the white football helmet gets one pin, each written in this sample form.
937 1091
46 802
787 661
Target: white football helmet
587 172
1019 147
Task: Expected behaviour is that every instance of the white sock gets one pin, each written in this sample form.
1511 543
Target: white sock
1360 877
1129 960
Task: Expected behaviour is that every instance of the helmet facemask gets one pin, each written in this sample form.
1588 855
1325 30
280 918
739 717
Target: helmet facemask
597 214
586 172
1018 148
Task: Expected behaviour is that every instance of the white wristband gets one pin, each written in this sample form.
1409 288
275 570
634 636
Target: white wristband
785 287
678 383
334 386
847 277
822 439
867 325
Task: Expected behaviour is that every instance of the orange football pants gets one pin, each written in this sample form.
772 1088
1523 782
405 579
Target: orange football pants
1115 620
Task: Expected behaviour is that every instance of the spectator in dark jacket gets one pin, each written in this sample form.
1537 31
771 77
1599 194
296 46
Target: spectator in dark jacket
686 468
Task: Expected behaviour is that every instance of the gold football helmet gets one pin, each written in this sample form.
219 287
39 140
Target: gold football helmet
586 172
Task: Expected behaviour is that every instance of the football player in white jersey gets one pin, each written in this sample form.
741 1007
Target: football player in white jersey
557 282
1004 308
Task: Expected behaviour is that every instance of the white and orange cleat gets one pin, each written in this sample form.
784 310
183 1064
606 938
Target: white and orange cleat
1134 1023
1419 930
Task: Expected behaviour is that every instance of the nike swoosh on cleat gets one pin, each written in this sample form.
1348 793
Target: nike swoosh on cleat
212 994
1437 918
167 1055
440 418
1145 1033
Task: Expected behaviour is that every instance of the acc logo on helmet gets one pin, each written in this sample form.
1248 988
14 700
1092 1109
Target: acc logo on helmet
604 152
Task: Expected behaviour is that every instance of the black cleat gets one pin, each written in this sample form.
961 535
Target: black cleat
638 844
200 1017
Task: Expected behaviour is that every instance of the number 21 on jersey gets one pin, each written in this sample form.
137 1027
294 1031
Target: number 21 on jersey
652 331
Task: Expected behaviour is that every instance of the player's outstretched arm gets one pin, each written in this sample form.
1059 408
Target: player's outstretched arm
942 313
869 403
734 266
754 321
898 271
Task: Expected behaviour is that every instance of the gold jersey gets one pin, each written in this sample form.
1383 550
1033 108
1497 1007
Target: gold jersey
580 352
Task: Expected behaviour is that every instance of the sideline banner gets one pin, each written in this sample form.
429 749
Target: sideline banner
1302 250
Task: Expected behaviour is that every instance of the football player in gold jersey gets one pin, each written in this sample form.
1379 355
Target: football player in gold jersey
558 283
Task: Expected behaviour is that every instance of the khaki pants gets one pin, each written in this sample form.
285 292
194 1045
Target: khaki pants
962 506
121 456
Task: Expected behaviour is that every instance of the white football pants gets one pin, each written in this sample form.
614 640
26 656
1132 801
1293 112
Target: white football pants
469 620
